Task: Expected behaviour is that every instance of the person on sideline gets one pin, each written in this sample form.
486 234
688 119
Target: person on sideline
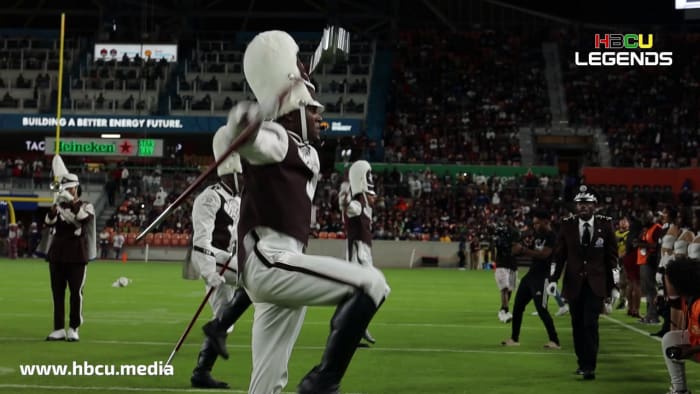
532 286
682 342
586 245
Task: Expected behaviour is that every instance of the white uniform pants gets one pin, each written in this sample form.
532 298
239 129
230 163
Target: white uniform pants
676 368
281 284
223 294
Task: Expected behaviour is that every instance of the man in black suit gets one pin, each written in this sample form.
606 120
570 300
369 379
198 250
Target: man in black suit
586 243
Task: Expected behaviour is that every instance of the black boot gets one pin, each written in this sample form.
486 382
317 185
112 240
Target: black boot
666 327
201 376
215 329
348 325
664 313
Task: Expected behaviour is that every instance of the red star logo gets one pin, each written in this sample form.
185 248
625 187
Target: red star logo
125 147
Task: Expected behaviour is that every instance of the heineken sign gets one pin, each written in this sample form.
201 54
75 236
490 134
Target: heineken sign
145 147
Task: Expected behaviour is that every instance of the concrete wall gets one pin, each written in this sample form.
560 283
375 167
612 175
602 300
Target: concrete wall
386 253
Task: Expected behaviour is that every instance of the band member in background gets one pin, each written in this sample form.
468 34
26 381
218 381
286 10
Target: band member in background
215 216
357 202
72 245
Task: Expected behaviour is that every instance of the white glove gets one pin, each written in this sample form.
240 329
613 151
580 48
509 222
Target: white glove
616 275
213 279
354 208
243 114
62 196
608 308
614 295
552 289
659 279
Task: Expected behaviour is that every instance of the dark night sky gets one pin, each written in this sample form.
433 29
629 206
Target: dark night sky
311 15
610 11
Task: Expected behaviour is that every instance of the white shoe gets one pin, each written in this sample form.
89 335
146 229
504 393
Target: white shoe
502 316
57 335
535 313
552 345
72 335
508 317
562 311
510 342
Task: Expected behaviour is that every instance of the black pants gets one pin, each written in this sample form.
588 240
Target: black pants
530 289
73 275
585 310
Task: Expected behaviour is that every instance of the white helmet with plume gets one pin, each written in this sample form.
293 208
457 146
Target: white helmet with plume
271 65
360 176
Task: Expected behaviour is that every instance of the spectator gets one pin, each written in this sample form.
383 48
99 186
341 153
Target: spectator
13 240
683 342
124 179
104 243
461 253
159 201
117 244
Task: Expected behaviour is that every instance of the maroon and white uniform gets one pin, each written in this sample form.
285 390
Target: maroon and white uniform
279 278
359 230
281 170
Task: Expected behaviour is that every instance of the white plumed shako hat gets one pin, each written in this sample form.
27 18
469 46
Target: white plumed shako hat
360 175
270 66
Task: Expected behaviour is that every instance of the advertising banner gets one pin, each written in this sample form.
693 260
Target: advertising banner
109 51
144 147
171 124
674 177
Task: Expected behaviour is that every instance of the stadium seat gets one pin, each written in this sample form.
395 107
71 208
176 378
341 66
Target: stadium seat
131 239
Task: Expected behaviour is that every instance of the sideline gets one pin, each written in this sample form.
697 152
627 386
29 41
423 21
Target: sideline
631 328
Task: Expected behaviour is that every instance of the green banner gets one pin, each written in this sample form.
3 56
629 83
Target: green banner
143 147
453 169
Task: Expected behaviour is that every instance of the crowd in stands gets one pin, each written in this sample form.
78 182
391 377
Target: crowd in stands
428 206
460 97
456 97
648 113
31 173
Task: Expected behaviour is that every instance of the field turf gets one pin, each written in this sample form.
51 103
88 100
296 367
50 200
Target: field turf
437 333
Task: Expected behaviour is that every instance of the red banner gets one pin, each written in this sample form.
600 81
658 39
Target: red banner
643 176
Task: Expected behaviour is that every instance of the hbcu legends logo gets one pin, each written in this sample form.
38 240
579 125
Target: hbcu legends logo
624 50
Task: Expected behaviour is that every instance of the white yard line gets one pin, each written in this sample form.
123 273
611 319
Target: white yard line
120 388
631 328
315 348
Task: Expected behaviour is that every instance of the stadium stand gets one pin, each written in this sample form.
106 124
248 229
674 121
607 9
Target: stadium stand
647 113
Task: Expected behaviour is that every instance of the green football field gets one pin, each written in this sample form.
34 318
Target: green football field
437 333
